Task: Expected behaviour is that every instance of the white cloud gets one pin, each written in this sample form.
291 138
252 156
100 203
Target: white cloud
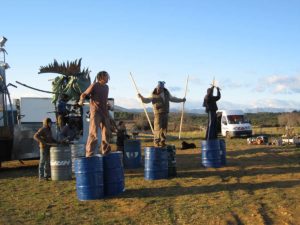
279 84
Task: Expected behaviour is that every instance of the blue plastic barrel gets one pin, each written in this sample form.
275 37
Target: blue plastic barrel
114 181
211 153
223 152
89 178
156 163
132 154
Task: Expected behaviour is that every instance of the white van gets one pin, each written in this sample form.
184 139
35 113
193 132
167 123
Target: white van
232 123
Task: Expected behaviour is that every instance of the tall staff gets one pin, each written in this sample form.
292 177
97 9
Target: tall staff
142 104
181 120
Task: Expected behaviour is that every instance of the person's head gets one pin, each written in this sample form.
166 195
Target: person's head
64 97
47 122
210 91
160 86
103 77
121 124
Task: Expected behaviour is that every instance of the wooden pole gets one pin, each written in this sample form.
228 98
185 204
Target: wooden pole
142 104
181 120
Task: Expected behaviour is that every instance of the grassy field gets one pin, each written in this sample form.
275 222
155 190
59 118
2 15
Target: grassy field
260 185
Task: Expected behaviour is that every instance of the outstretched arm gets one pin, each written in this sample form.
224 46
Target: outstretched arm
175 99
145 100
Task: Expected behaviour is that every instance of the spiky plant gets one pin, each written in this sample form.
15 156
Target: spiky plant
72 80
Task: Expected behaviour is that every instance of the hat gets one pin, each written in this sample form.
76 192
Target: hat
161 84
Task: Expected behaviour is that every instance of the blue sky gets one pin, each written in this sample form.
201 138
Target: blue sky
250 47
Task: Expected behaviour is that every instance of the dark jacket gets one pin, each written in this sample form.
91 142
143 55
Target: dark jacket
210 101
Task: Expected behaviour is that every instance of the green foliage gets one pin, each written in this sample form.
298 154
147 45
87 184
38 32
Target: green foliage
72 81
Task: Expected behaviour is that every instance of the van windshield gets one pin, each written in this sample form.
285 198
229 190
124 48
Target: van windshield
236 119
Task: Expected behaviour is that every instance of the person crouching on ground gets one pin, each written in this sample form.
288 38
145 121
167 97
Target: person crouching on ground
160 99
44 137
99 117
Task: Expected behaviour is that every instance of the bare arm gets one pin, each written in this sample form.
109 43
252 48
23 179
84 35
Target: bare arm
38 136
88 91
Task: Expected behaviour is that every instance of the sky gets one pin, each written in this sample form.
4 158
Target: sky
250 47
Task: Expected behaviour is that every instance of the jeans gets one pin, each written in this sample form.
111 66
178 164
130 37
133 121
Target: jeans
44 165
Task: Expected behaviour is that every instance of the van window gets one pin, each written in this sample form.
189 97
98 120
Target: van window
235 119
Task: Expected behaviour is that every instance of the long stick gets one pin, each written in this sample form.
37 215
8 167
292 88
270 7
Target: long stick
181 120
142 103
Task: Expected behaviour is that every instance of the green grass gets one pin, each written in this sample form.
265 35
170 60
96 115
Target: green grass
260 185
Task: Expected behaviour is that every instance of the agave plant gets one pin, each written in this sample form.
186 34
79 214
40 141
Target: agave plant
72 80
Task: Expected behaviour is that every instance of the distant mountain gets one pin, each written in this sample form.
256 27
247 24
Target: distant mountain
202 111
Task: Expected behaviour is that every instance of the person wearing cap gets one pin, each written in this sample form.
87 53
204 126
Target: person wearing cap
160 99
99 116
44 137
210 104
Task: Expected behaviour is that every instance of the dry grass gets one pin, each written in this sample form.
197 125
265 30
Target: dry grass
260 185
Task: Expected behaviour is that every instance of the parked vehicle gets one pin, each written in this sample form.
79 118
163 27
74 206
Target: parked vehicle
232 123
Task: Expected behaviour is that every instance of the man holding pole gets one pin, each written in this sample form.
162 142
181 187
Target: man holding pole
210 104
160 99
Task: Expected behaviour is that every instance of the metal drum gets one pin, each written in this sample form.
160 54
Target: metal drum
156 163
77 151
60 162
171 149
132 151
211 153
89 177
113 176
223 152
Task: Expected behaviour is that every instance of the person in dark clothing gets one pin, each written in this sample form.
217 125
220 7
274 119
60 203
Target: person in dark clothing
210 104
121 136
62 111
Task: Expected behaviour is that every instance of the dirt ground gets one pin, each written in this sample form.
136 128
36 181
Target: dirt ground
259 185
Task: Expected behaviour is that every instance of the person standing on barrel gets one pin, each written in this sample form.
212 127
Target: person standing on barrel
99 116
210 104
160 99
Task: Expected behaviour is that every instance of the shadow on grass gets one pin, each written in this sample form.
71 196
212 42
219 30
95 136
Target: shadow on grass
17 172
205 189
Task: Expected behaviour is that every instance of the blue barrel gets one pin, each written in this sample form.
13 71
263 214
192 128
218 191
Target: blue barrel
211 153
132 154
172 171
223 152
89 178
77 151
156 163
114 181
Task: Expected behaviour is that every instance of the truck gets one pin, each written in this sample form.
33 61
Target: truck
29 113
232 123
